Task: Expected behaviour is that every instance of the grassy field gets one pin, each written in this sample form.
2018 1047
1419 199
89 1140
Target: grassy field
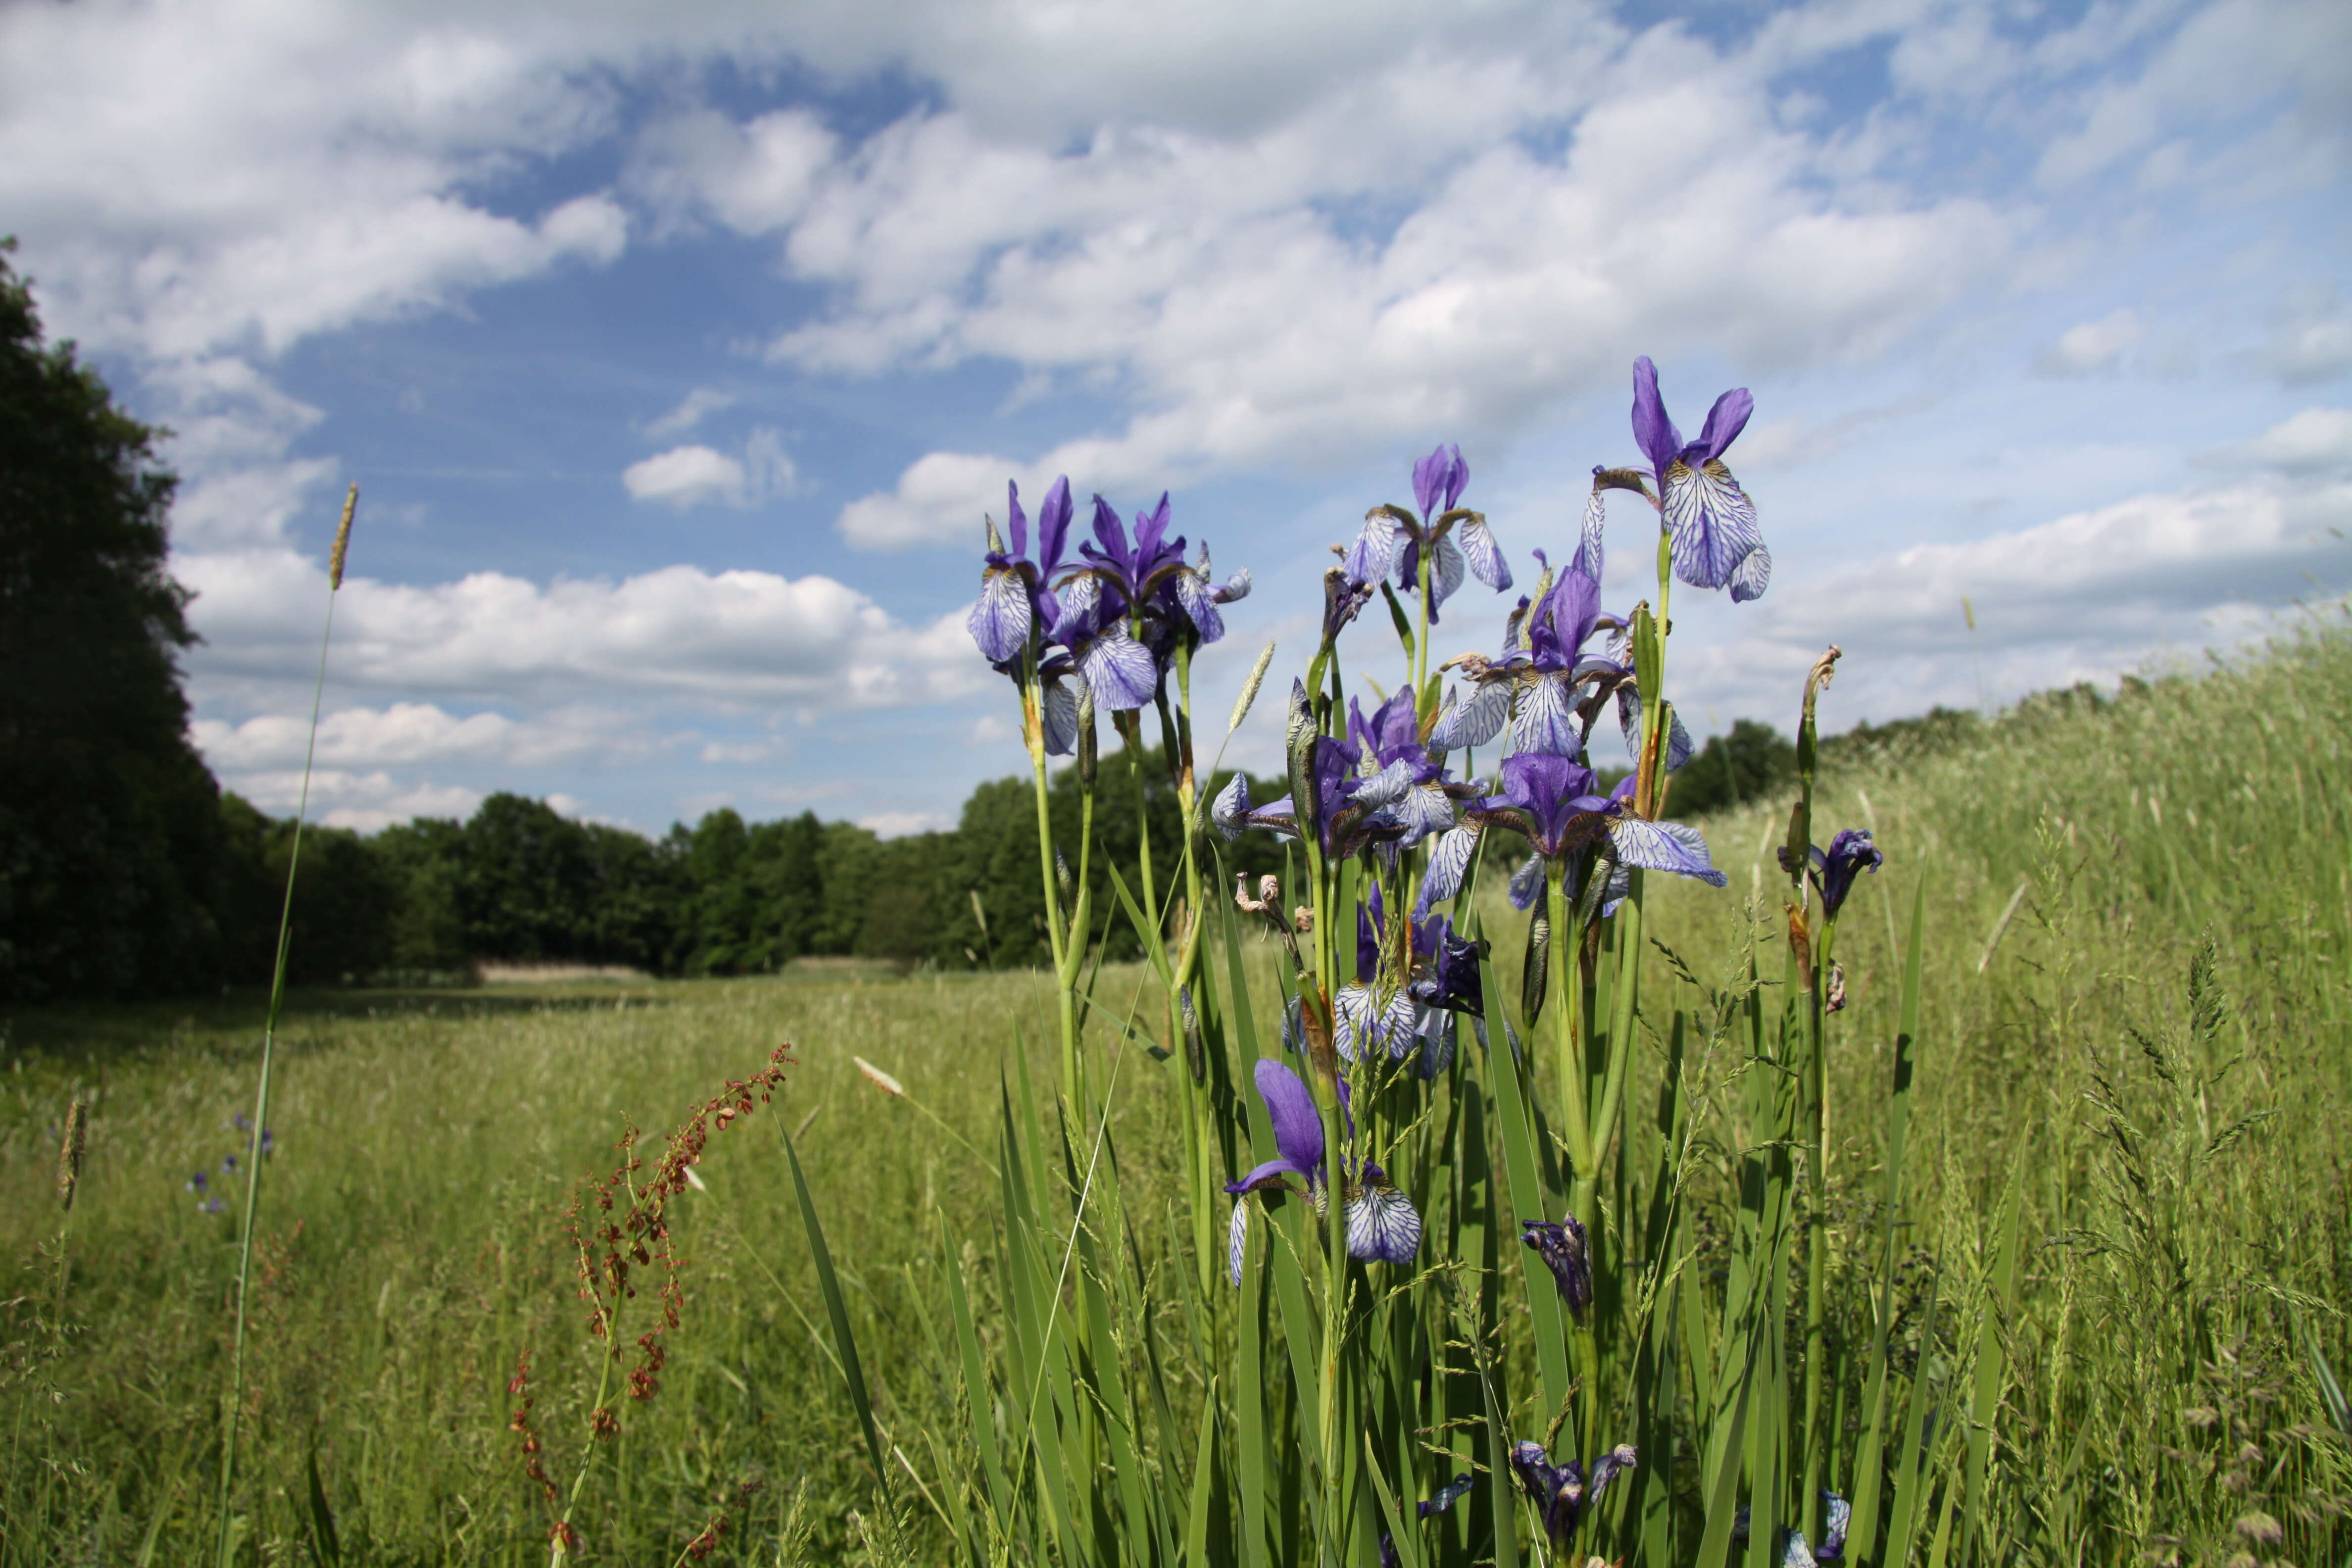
2136 1030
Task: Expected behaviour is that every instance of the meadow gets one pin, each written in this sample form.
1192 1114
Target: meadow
2125 1245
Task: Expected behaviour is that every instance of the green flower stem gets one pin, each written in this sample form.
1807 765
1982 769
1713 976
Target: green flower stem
268 1051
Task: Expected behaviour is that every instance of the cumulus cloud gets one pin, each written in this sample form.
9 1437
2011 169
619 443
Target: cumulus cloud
2311 337
691 410
2315 439
689 477
2088 595
409 733
364 802
2091 348
726 637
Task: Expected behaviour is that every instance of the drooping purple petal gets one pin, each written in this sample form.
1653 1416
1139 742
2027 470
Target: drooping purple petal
1449 857
1672 847
1382 1224
1237 1241
1475 721
1374 552
1199 602
1850 852
1527 884
1389 786
1652 431
1231 809
1752 575
1485 557
1297 1124
1546 722
1587 559
1060 712
1564 1251
1119 671
1232 588
1712 520
1000 619
1445 572
1629 724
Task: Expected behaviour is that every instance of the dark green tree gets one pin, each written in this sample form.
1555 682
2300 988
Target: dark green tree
110 833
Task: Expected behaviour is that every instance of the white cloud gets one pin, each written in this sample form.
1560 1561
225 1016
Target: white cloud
899 823
938 500
408 733
2315 439
728 637
2091 347
754 177
365 802
2085 597
687 476
691 411
2311 337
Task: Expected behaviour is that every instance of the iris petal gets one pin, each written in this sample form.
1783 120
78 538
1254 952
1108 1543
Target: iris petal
1060 713
1486 562
1374 552
1475 721
1383 1227
1200 602
1230 810
1588 546
1237 1241
1449 857
1752 576
1712 520
999 621
1120 670
1546 723
1663 846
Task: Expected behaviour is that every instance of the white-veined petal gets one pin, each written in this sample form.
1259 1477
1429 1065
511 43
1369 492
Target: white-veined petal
1445 572
1663 846
1752 576
1712 520
1587 545
1199 604
1232 804
1374 552
1387 787
1120 670
1486 562
1060 713
1383 1225
1527 883
1237 1239
1546 722
1000 617
1449 857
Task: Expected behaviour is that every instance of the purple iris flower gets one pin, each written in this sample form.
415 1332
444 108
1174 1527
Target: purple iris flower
1393 538
1833 874
1403 774
1715 540
1342 817
1382 1224
1565 1251
1446 1497
1013 596
1563 1492
1171 599
1436 977
1555 804
199 1182
1117 670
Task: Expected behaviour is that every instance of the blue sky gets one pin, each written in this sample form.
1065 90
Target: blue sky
679 353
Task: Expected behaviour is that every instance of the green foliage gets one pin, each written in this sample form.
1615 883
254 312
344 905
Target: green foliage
110 825
2148 1074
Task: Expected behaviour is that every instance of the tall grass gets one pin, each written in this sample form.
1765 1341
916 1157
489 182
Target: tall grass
2119 1260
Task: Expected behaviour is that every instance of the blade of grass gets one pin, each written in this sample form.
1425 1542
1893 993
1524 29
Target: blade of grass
836 1309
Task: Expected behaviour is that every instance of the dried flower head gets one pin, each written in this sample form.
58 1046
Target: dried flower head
342 539
69 1151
